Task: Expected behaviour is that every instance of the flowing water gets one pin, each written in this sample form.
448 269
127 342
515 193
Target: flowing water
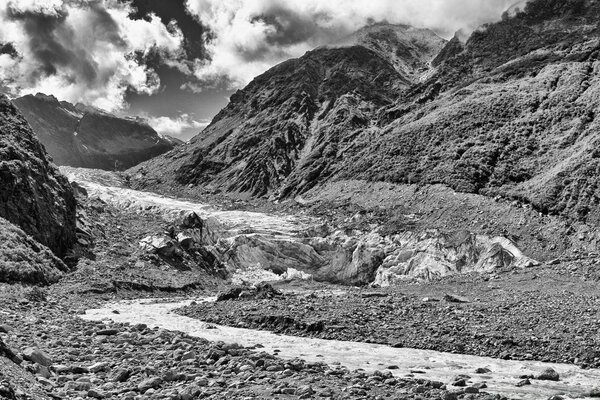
431 365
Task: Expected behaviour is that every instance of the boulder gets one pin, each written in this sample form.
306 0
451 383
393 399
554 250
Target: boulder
548 374
162 245
37 356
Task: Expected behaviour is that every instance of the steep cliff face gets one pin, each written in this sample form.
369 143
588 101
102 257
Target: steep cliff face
33 194
80 136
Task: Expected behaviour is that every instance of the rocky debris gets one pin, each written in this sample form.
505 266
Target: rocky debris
507 318
34 196
139 362
85 137
260 291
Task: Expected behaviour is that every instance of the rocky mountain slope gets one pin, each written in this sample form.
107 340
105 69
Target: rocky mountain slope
512 112
34 195
289 127
37 206
410 50
81 136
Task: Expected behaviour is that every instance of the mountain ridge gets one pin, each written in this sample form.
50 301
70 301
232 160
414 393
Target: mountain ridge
491 119
83 136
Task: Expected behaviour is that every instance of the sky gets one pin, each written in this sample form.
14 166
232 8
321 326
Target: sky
176 62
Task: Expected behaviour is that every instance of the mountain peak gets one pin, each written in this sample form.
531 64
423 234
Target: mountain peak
408 49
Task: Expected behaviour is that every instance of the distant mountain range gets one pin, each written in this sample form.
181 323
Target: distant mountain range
81 136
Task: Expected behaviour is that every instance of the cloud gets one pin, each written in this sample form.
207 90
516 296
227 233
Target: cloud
88 51
250 36
176 126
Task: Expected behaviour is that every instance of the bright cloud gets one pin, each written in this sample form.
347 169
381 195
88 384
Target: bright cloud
251 36
87 51
176 126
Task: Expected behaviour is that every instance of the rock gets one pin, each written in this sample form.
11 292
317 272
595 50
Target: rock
483 371
185 241
461 382
96 394
595 393
306 390
162 245
523 382
548 375
99 366
451 298
190 392
150 383
367 295
120 375
36 355
230 294
107 332
191 220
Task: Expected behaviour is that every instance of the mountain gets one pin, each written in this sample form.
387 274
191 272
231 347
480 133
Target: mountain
290 127
509 113
37 206
80 136
410 50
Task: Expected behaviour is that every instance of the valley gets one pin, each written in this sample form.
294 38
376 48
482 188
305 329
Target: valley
390 215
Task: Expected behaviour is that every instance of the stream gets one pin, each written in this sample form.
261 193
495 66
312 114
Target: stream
574 381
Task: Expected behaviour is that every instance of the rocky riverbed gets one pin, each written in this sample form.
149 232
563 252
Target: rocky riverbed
527 380
542 314
73 358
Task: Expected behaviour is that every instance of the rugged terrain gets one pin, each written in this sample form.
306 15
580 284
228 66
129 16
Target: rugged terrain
547 313
34 195
457 180
80 136
509 115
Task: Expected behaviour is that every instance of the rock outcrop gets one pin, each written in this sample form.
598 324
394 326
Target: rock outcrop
33 194
79 136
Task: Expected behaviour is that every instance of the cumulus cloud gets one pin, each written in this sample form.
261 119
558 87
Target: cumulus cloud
88 51
250 36
176 126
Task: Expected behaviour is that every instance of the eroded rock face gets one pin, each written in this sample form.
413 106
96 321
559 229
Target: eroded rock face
33 194
23 260
81 136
